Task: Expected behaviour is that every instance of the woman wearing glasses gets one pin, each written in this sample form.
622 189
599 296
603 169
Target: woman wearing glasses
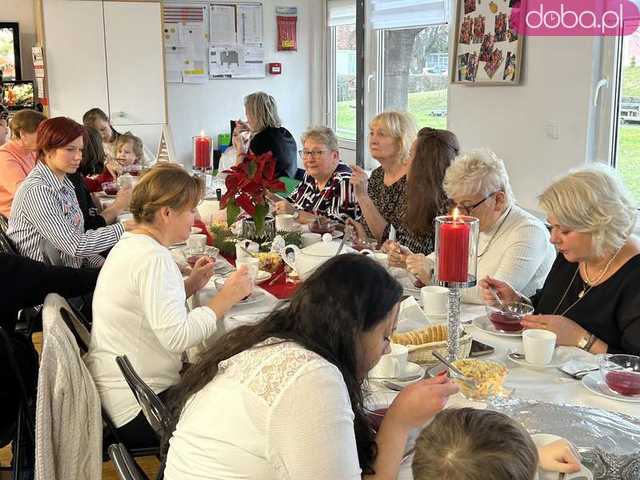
325 188
513 246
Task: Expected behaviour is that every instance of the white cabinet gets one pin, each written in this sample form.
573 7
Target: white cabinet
107 55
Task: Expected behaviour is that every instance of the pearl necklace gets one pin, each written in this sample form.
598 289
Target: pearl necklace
588 284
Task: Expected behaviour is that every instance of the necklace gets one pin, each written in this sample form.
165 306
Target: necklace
588 284
495 233
587 287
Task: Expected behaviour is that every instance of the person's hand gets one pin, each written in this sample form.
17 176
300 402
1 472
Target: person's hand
239 137
559 456
238 285
201 273
113 167
360 182
417 265
283 206
397 253
502 289
123 198
419 402
569 332
358 228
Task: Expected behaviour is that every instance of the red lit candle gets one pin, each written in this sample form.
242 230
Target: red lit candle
202 152
453 257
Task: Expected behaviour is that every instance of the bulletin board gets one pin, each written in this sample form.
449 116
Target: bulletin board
488 49
213 40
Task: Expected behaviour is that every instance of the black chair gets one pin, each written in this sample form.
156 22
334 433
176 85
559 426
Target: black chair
153 408
126 467
23 433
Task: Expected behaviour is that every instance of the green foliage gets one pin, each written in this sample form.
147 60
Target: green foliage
223 240
233 210
262 210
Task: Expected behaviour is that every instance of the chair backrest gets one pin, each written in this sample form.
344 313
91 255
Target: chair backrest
126 467
76 325
153 408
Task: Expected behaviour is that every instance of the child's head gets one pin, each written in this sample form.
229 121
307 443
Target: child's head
470 444
129 149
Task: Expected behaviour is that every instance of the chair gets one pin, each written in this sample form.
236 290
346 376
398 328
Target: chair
25 420
126 467
153 408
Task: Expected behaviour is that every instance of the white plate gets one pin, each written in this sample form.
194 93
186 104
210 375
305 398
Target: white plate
262 276
412 374
542 439
594 382
560 357
485 325
337 234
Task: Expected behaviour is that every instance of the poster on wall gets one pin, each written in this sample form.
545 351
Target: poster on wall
185 43
488 49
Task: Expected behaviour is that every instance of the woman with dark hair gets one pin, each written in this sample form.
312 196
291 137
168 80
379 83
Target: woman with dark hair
290 388
92 159
46 222
99 120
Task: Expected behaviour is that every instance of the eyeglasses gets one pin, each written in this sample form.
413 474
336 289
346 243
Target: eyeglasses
467 209
311 153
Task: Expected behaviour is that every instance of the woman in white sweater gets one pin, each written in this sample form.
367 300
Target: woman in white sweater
139 305
283 399
513 245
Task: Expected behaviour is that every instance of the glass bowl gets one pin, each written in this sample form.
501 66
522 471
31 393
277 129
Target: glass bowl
110 188
488 375
621 373
195 254
507 316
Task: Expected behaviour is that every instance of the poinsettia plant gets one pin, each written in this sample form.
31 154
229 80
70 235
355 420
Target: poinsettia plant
247 185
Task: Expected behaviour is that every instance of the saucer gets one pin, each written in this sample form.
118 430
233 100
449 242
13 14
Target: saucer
484 324
262 276
594 382
560 357
413 373
542 439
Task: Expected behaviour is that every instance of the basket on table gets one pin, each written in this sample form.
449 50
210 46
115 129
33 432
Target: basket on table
422 343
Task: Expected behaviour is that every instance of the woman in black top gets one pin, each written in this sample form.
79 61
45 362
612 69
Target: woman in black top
590 298
265 134
93 158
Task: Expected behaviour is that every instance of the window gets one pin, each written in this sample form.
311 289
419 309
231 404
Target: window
626 156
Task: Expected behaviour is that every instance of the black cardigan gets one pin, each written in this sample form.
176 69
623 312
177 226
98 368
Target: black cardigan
282 145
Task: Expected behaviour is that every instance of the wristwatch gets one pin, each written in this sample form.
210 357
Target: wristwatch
587 341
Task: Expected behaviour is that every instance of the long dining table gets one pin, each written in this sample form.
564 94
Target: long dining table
537 384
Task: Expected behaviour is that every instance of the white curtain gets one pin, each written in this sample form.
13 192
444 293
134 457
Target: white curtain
341 12
407 13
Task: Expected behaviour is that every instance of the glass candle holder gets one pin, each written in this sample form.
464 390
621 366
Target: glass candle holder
202 153
456 251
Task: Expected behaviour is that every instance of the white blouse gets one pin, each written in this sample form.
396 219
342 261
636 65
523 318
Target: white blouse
277 411
515 250
139 310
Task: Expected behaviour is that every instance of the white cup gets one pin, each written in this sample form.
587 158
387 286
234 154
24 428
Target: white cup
253 265
434 300
538 346
253 247
285 222
197 242
310 238
392 364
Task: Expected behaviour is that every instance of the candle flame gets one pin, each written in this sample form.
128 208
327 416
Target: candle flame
202 133
455 214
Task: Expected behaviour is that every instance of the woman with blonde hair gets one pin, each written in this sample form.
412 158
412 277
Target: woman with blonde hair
383 197
139 307
513 245
590 297
263 132
18 156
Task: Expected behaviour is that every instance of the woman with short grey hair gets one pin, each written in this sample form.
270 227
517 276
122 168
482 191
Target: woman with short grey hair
263 132
513 245
590 298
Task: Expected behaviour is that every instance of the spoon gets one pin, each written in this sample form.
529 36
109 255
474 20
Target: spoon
494 292
458 374
251 254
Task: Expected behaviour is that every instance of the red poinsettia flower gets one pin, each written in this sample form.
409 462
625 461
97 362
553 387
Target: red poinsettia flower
247 184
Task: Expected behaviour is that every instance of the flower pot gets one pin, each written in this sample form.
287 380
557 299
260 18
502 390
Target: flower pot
268 232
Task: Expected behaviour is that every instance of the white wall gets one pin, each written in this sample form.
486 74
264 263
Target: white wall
210 106
22 11
512 120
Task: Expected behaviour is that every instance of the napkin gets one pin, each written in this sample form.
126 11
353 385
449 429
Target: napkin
411 315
